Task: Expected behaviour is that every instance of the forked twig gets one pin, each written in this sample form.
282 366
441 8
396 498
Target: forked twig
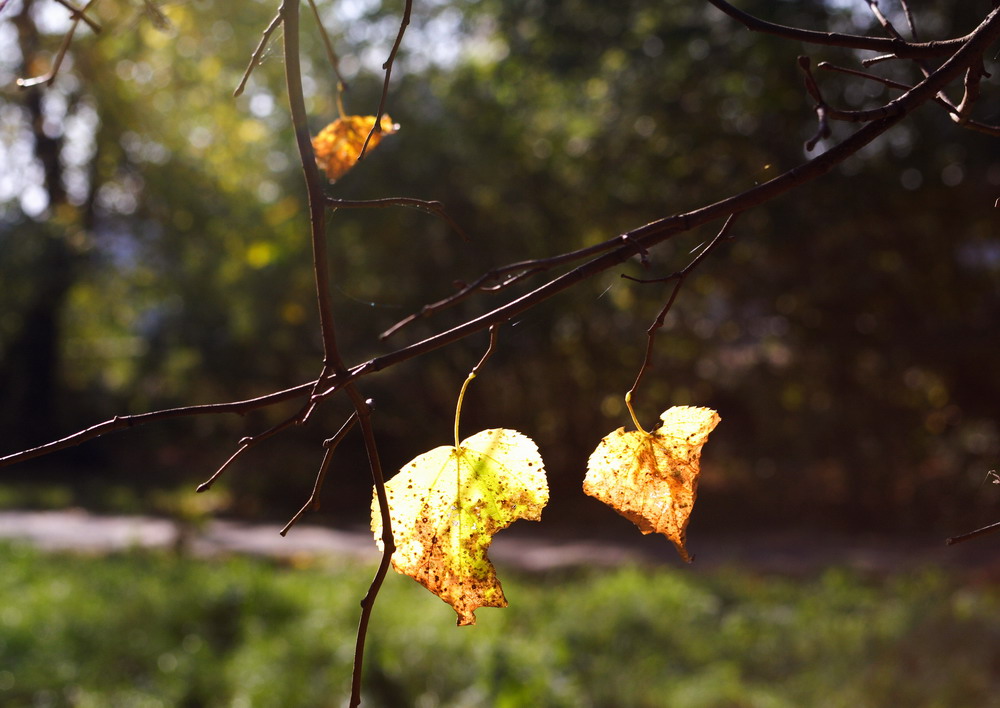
77 12
657 324
377 127
973 76
503 278
50 76
312 503
892 47
258 53
939 99
252 440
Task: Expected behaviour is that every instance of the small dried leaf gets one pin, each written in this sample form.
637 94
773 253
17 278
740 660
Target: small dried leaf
339 144
652 478
445 506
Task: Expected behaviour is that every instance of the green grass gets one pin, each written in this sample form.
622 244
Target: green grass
143 629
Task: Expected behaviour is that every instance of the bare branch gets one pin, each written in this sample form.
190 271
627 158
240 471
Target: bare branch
77 13
377 127
893 47
253 440
50 76
258 53
502 278
432 207
992 528
312 503
973 76
131 421
679 276
909 19
614 253
314 188
388 547
659 231
884 21
939 99
332 361
331 55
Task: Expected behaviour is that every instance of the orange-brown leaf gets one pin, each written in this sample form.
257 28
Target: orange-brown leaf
339 144
652 478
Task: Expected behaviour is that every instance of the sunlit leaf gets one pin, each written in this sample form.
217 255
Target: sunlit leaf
445 506
652 478
339 144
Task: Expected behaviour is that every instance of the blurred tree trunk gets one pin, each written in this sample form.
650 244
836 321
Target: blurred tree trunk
30 366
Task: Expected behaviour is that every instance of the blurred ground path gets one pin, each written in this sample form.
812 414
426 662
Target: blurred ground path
529 548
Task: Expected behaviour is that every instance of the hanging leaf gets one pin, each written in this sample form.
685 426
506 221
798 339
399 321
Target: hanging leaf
652 478
445 506
339 144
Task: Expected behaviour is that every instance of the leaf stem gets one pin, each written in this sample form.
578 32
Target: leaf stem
468 380
631 412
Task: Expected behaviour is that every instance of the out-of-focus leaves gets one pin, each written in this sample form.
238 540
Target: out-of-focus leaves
339 144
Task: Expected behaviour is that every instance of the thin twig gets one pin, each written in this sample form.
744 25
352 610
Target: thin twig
312 503
884 21
939 99
893 47
909 19
252 440
132 421
679 277
49 77
377 126
388 548
258 53
872 61
973 76
823 129
331 55
77 12
973 534
503 278
432 207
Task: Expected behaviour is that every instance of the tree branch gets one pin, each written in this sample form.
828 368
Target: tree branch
893 47
643 238
377 127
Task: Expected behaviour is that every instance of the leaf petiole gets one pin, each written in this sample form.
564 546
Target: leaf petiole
468 380
458 408
631 412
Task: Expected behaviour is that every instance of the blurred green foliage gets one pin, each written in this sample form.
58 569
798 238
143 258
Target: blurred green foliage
159 630
847 336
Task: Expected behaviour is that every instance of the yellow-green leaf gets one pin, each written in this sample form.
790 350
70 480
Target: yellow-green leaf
339 144
445 506
652 478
